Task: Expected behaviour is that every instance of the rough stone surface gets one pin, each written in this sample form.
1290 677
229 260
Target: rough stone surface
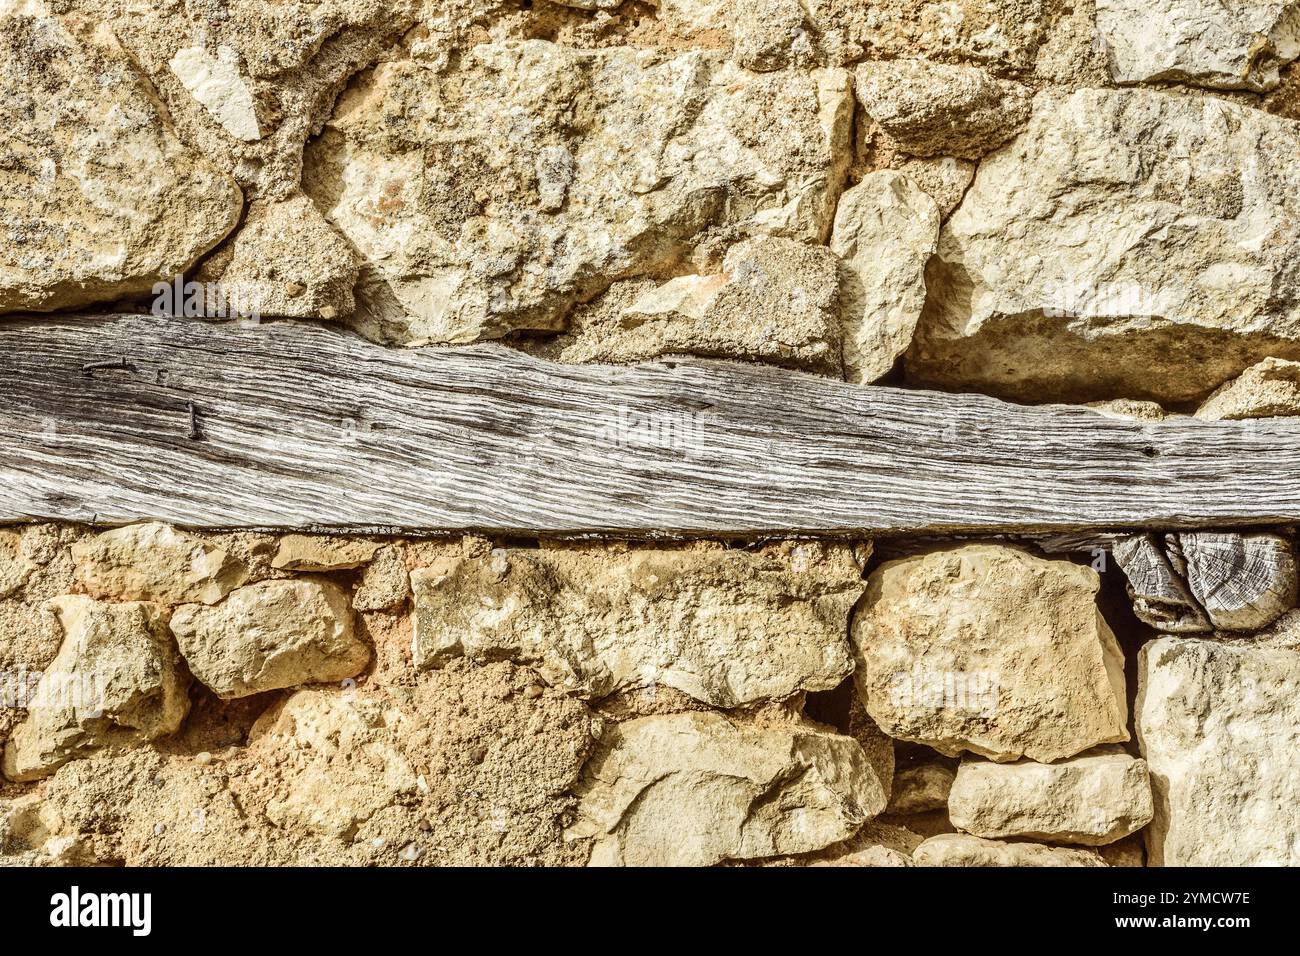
727 627
493 770
1129 408
1225 44
989 649
30 637
1267 389
920 788
214 81
247 82
869 856
885 231
1115 250
385 583
1219 725
944 179
285 260
776 300
960 849
875 844
931 109
16 567
98 197
271 635
1072 54
116 680
1004 34
878 747
155 562
346 762
941 193
311 552
769 34
495 196
1093 799
696 789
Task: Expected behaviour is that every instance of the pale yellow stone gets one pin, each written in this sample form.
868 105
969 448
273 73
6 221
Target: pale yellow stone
98 196
312 552
16 568
248 84
1128 408
875 844
960 849
885 231
1224 44
933 109
214 81
271 635
117 679
284 260
776 300
482 208
384 583
1003 33
1270 388
696 789
155 562
728 627
944 179
1092 799
767 34
869 856
1219 725
989 649
1106 252
342 759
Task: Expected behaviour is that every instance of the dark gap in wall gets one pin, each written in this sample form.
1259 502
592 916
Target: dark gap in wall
531 544
891 549
214 724
896 376
832 706
908 754
1117 609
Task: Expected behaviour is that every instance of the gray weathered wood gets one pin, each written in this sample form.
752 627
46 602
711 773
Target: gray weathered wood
298 425
1160 595
1244 581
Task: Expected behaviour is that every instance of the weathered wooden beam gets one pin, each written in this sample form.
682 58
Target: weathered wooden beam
297 425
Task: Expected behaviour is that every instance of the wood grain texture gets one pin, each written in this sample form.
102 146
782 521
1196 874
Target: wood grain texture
304 426
1157 588
1244 582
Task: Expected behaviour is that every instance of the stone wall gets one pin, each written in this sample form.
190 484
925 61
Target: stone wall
174 697
1040 200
